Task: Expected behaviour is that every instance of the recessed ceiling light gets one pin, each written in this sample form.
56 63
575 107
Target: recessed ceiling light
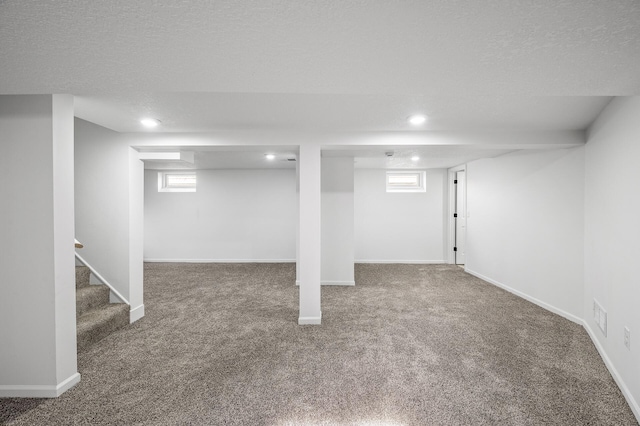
150 122
270 156
415 158
417 120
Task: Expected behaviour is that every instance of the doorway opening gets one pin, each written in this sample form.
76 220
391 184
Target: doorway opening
457 215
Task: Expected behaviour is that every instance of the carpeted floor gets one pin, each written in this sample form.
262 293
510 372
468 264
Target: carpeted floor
409 345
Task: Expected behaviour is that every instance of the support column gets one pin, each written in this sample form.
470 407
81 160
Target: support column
337 221
136 235
37 291
309 234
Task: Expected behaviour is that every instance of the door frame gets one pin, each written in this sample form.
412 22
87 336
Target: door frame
451 224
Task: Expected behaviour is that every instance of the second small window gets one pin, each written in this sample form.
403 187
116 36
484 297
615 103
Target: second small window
406 181
176 182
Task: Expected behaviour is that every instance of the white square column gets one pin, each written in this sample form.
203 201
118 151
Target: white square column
338 238
309 235
37 288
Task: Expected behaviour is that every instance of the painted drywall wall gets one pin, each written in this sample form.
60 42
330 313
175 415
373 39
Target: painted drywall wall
398 227
102 201
611 239
525 225
37 291
337 221
235 215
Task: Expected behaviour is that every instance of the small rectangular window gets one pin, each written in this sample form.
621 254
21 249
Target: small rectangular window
406 182
176 182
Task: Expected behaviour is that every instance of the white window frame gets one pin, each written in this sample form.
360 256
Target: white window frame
162 182
420 187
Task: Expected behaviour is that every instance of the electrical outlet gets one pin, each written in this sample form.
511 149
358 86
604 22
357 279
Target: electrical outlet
627 338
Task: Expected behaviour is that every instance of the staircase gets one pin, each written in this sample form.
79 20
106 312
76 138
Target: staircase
96 317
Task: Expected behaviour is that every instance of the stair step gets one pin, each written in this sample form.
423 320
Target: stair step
98 323
82 276
90 297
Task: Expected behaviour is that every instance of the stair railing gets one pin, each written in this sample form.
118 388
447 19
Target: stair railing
98 276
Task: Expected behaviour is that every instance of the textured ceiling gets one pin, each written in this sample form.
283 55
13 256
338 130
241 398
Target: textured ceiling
326 66
436 47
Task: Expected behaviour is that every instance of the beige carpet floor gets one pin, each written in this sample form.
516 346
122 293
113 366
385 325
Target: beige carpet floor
408 345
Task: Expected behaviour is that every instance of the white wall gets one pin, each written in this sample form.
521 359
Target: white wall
102 188
37 291
525 225
337 221
235 215
612 200
399 227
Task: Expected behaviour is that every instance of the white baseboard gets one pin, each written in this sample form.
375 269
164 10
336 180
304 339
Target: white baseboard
136 313
310 320
39 391
409 262
531 299
633 404
347 283
152 260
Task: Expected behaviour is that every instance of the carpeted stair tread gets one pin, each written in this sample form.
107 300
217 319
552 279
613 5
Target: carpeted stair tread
82 276
90 297
96 324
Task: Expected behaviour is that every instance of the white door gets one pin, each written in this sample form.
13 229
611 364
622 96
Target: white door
460 218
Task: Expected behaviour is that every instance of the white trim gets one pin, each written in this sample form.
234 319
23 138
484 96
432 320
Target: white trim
310 320
39 391
633 404
451 225
152 260
136 313
102 280
531 299
410 262
343 283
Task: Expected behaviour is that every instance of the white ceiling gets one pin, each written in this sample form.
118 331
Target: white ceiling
436 47
226 158
365 157
330 66
210 112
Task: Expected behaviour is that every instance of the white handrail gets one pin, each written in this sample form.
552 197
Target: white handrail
102 280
